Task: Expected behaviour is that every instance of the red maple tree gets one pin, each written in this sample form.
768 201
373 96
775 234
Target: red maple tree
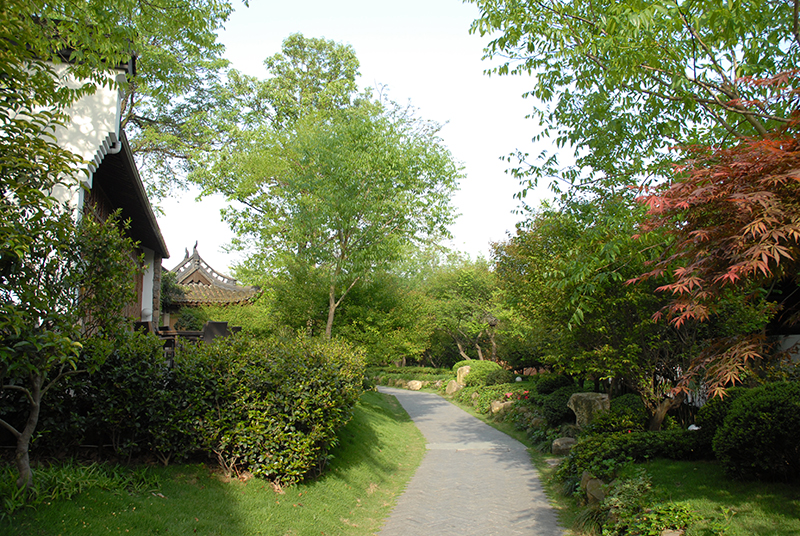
734 216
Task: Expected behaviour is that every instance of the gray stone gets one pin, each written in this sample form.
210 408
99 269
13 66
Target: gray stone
587 405
538 422
461 373
415 385
562 446
452 387
672 532
499 405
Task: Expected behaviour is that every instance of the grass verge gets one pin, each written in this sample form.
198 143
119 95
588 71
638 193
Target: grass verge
378 452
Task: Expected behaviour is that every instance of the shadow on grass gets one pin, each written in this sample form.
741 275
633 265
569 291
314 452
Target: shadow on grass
758 508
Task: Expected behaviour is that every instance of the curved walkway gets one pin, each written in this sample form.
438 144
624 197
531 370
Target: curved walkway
473 481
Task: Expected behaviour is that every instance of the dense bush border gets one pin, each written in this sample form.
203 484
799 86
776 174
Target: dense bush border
268 407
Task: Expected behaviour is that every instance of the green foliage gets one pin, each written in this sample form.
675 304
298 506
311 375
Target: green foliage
759 438
549 383
497 377
712 415
627 412
269 407
554 406
299 177
464 301
622 82
43 316
481 397
192 318
630 510
604 454
170 289
479 371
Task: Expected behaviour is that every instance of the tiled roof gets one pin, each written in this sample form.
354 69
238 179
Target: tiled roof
198 294
202 285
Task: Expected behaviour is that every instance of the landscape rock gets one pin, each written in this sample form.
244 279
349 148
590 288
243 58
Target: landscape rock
538 422
499 405
595 491
415 385
452 387
562 446
438 384
461 373
672 532
585 478
587 405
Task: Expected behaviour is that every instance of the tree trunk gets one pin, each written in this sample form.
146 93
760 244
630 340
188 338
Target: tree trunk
494 345
331 311
663 408
22 457
461 351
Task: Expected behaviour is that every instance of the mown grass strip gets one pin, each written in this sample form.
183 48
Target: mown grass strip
378 453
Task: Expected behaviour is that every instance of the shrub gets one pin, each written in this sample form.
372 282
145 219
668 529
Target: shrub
627 412
603 454
478 372
113 405
549 383
712 415
270 407
760 438
498 377
554 406
191 318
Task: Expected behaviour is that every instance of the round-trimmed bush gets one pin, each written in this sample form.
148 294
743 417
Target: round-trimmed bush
760 438
549 383
712 415
500 376
478 371
554 405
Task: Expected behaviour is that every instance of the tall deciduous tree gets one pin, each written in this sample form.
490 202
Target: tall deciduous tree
621 82
466 306
338 193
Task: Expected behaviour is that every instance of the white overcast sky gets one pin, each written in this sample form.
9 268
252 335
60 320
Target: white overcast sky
423 53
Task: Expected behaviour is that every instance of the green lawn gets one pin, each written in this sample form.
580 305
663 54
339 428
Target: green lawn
740 508
378 453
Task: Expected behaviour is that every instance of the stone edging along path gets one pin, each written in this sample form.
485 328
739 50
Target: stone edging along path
473 481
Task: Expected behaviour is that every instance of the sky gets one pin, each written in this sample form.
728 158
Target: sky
422 53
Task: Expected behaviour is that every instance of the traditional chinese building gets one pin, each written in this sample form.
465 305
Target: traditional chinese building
203 285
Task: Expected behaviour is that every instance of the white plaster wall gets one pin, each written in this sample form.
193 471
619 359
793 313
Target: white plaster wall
93 129
147 285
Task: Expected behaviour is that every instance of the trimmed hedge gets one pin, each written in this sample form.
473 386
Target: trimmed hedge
760 437
271 408
603 454
479 370
554 406
550 383
712 415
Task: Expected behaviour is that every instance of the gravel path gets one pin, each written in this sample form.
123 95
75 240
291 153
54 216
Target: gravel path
473 481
